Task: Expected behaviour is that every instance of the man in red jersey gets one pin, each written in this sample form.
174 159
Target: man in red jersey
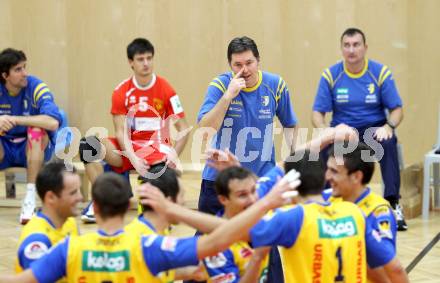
142 109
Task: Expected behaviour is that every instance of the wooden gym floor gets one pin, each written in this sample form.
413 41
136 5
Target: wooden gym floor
410 243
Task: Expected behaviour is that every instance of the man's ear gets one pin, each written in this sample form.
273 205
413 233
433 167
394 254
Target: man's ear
50 197
223 200
357 177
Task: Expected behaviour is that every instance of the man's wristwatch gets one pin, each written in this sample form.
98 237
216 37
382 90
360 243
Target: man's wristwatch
391 124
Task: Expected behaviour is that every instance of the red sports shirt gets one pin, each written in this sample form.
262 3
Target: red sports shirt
147 110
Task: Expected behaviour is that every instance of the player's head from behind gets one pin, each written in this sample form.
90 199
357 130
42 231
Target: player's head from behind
140 53
13 68
167 181
312 172
111 196
59 189
353 46
349 173
243 55
236 189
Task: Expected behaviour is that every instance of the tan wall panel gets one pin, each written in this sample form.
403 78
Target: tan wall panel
38 28
422 106
78 48
5 24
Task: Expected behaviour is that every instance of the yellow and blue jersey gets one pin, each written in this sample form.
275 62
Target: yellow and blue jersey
120 257
247 127
142 227
358 100
230 265
38 236
378 213
34 99
323 242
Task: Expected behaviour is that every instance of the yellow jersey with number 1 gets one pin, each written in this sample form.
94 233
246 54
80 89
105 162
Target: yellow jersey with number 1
330 246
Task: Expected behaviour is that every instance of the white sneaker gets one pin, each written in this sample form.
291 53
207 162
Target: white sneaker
88 215
401 223
27 207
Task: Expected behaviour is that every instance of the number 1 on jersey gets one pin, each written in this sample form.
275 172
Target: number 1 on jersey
339 277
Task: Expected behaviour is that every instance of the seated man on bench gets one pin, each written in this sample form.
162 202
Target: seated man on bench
29 118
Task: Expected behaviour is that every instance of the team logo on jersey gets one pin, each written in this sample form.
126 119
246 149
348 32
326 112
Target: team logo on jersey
371 96
105 261
216 261
376 235
338 228
371 88
385 229
169 244
383 216
224 278
158 104
35 250
265 100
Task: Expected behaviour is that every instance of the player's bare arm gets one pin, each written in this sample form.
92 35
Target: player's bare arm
152 196
182 127
41 121
121 133
237 228
386 131
253 268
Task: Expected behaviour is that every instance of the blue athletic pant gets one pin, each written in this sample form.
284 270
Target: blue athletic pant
208 201
389 167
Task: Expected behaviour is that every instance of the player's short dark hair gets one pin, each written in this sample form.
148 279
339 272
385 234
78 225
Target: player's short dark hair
139 46
111 193
51 178
166 181
312 172
242 44
353 161
353 31
10 57
223 179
